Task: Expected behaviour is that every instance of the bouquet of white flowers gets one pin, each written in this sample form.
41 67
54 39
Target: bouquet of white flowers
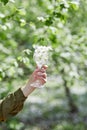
41 56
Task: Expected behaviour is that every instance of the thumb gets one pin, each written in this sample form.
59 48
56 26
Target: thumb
45 67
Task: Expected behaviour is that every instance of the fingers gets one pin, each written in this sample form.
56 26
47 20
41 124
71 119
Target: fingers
40 74
45 67
42 69
44 75
42 80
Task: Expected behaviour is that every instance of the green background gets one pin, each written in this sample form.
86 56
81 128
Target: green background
62 24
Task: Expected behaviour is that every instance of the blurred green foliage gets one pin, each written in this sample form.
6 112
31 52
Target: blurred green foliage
59 23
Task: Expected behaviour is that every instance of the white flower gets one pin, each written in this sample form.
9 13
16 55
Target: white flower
41 55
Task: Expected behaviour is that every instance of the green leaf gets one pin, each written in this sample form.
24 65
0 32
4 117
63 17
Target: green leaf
5 1
74 5
27 51
21 11
23 22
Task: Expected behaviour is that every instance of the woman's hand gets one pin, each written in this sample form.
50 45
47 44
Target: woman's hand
39 75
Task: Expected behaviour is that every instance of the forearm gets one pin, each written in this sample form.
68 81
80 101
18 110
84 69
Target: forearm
27 89
13 103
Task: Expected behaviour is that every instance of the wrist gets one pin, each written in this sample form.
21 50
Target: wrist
27 89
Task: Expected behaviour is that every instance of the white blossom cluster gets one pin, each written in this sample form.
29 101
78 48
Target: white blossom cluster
41 55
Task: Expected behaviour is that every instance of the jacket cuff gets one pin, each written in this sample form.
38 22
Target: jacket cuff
19 95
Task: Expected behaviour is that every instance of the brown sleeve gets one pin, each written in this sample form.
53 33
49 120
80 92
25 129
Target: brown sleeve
12 104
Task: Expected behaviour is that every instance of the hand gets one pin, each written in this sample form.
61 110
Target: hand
39 75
